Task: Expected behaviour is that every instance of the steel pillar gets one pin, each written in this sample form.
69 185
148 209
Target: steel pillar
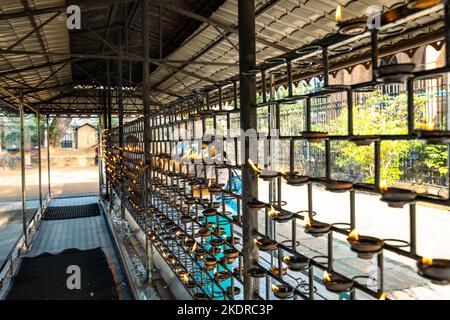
40 161
109 125
247 61
22 158
48 159
121 111
146 102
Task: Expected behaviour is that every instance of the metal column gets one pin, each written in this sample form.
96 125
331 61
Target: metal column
247 62
48 159
146 101
22 158
120 102
40 160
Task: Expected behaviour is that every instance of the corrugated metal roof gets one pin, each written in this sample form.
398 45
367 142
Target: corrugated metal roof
283 26
288 23
55 38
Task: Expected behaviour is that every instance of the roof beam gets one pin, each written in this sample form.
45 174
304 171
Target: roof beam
270 4
33 31
35 67
215 22
105 56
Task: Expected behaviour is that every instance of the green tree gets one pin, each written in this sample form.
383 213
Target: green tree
379 114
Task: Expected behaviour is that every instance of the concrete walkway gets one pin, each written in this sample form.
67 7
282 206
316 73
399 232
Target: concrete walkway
84 233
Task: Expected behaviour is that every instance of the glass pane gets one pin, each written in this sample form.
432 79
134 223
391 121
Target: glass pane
10 176
292 118
31 148
350 162
415 165
383 111
430 103
310 158
329 113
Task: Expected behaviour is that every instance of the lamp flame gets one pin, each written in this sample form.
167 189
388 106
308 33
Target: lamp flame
307 221
339 14
326 276
272 212
257 242
287 259
383 186
283 173
195 156
275 288
427 261
429 126
354 235
382 296
254 167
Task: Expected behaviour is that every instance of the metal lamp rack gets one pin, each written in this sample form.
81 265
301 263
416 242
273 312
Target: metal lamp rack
175 201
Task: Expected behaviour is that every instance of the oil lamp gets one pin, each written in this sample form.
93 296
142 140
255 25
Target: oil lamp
233 291
257 272
221 275
180 234
364 246
395 73
293 178
276 270
197 251
210 262
428 132
216 242
209 212
283 291
350 27
316 228
231 254
200 296
185 219
337 186
265 174
314 136
266 244
256 204
189 242
437 270
280 217
336 283
396 197
233 240
214 187
362 141
204 232
296 263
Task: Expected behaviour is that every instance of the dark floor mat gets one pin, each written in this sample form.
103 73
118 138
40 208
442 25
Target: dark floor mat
46 277
72 212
